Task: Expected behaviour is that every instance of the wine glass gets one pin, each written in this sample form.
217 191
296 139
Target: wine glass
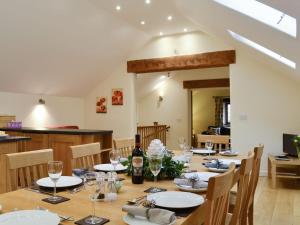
188 156
91 185
209 146
181 142
54 172
114 157
155 164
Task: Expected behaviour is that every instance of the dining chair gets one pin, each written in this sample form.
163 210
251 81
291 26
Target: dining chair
26 167
86 155
217 197
219 141
125 146
249 209
242 177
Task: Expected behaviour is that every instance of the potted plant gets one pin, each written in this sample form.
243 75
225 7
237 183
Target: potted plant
297 144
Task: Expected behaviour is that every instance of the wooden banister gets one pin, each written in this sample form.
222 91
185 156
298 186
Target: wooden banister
148 133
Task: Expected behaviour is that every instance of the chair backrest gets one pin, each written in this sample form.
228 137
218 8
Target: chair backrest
258 152
86 155
244 176
219 141
26 167
217 197
125 146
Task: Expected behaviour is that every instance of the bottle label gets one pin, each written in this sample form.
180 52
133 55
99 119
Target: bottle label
137 164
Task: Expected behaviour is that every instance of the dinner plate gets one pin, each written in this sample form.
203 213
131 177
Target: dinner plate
109 167
29 217
138 220
204 176
237 162
217 170
63 182
175 199
190 189
228 153
203 151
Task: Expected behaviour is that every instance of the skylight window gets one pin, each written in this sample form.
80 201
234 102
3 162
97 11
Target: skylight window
264 14
263 49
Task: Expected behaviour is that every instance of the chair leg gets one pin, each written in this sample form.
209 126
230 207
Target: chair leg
250 215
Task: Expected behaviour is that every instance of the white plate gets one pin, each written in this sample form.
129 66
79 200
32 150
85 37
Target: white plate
190 189
203 151
179 158
217 170
63 182
225 153
132 220
202 175
175 199
109 167
29 217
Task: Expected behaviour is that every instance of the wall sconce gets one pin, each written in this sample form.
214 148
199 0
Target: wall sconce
42 101
160 98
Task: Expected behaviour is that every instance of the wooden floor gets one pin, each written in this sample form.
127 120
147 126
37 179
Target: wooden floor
280 206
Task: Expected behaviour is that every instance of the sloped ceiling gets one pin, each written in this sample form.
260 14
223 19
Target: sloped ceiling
66 47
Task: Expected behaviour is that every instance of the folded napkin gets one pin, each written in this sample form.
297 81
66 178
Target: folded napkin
216 164
154 215
188 182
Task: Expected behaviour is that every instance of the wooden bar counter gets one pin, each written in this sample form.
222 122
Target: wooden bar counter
9 145
60 141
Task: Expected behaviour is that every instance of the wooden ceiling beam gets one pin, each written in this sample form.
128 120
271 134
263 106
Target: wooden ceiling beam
183 62
192 84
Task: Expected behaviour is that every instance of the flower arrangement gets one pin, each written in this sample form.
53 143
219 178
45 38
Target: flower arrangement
297 144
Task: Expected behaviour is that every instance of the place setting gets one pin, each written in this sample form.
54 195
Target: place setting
221 165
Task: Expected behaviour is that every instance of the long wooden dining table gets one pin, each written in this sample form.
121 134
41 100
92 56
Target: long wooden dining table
79 205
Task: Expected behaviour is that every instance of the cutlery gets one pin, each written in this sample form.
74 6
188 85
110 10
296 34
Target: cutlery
75 190
38 191
62 217
137 200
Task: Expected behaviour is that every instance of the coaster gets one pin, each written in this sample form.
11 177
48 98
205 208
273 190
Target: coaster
82 221
155 190
62 199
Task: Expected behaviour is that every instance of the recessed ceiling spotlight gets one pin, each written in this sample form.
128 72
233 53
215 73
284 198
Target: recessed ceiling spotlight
185 30
148 1
143 22
118 7
161 33
169 18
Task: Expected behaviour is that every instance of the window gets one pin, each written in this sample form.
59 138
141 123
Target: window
226 112
262 49
265 14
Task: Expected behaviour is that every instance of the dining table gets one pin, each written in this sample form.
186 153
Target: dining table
79 205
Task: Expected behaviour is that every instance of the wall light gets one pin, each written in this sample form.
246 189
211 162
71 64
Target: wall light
160 98
42 101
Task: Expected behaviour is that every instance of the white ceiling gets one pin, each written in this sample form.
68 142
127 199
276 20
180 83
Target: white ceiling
66 47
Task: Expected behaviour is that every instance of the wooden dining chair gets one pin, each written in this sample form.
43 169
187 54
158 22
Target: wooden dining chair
242 177
219 141
249 209
125 146
86 155
26 167
217 197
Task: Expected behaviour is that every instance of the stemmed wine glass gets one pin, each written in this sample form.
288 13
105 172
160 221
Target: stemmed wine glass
155 164
181 142
54 172
209 146
188 154
91 185
114 157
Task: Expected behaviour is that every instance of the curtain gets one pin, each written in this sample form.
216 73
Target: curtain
219 111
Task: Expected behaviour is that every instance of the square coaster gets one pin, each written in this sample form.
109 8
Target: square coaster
155 190
82 221
62 199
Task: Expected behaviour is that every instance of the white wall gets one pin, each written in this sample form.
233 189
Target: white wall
204 107
270 102
174 109
120 119
56 111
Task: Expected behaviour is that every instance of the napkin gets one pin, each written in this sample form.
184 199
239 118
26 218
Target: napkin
187 182
154 215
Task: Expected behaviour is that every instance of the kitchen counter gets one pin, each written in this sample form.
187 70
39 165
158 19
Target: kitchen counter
13 139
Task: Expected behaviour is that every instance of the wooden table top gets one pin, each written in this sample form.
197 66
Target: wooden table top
80 206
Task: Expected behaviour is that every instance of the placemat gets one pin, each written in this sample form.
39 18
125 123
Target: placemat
155 190
82 221
62 199
180 212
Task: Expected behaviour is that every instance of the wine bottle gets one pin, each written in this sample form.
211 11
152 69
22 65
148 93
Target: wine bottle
137 162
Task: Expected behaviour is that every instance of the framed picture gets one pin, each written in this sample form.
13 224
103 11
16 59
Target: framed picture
117 96
101 105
